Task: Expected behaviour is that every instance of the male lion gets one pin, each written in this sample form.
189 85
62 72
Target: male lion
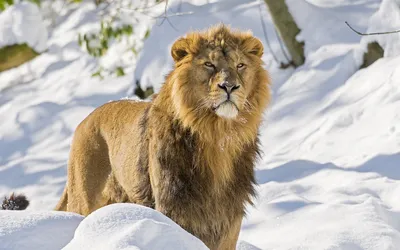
189 153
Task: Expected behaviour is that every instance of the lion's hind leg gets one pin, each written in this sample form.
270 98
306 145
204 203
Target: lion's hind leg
114 191
88 173
62 204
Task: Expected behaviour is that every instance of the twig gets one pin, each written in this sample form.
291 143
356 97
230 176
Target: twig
151 6
165 7
266 36
108 3
144 12
165 17
178 14
373 33
282 47
165 13
282 65
180 6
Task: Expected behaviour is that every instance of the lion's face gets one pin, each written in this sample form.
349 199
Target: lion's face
217 72
225 77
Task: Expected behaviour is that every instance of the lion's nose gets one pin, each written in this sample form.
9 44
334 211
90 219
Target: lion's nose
229 88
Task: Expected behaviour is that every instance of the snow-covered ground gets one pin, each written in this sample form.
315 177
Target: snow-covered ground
37 229
329 177
23 23
129 226
118 226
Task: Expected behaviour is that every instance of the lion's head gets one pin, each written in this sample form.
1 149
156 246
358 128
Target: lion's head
218 72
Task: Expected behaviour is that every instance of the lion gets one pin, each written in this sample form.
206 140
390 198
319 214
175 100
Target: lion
190 152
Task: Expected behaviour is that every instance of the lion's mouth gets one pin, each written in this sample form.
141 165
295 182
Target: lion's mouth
226 109
215 106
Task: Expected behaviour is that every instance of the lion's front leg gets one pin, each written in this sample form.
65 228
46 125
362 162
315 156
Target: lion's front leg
229 240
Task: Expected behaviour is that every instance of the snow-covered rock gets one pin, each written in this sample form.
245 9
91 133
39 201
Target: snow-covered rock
130 226
22 23
36 230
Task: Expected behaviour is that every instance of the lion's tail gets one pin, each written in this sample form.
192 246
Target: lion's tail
62 204
15 202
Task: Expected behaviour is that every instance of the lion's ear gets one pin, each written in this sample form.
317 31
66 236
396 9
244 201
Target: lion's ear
180 49
253 46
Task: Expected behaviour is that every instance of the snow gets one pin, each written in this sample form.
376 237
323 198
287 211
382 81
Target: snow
22 23
387 18
129 226
329 177
325 24
37 230
117 226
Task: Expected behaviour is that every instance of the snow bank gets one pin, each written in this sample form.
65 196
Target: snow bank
22 23
387 18
36 230
117 227
323 22
130 226
243 245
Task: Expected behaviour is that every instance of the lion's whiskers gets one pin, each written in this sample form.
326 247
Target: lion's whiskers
203 103
248 106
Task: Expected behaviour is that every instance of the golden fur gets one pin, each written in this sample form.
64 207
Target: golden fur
190 152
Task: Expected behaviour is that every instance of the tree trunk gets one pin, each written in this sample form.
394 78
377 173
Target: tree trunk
374 52
143 94
287 29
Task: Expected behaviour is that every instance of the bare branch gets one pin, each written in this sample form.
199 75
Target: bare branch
373 33
180 6
166 17
178 14
142 10
266 35
166 6
282 65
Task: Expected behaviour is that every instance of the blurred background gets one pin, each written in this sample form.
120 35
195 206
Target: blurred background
331 136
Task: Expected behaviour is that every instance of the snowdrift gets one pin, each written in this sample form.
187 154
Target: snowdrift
129 226
117 227
36 230
22 23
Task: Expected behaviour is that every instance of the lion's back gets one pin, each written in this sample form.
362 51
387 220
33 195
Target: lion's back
114 117
115 127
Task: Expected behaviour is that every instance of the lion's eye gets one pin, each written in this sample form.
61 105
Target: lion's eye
240 66
209 65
